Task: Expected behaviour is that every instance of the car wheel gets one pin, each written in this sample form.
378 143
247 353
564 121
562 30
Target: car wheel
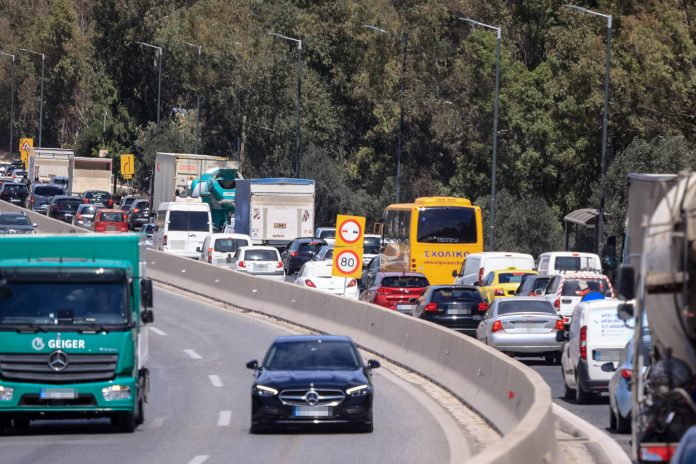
581 396
550 359
257 429
612 419
623 424
141 413
125 422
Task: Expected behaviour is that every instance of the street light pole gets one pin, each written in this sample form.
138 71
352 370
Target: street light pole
158 54
605 120
12 98
495 121
43 60
198 101
298 136
402 85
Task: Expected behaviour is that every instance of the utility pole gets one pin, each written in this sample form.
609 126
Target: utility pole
198 100
12 99
43 62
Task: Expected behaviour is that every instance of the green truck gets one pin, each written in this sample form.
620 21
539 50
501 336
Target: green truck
72 337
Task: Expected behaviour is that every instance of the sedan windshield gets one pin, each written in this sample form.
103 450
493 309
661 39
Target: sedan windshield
63 303
446 295
526 306
229 245
261 255
14 220
312 356
404 282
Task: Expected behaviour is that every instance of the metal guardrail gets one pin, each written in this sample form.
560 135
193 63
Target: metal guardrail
510 396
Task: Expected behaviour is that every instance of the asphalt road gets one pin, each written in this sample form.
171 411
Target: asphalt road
199 407
596 413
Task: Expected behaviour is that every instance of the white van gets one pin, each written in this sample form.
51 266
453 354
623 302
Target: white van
596 336
478 265
219 249
558 262
181 227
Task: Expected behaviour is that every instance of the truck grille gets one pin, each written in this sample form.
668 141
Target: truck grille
323 397
35 368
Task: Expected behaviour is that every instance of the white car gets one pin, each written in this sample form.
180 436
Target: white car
218 249
327 233
260 261
371 247
317 275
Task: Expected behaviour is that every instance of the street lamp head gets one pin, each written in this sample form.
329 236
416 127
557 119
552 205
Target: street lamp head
285 37
375 28
473 22
584 10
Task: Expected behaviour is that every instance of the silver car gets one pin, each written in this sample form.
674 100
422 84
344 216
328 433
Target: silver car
523 326
84 216
620 401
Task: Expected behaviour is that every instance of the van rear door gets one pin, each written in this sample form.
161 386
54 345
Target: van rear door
606 338
187 230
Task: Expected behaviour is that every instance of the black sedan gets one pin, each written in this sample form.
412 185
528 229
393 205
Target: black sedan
63 207
16 223
459 307
312 379
299 251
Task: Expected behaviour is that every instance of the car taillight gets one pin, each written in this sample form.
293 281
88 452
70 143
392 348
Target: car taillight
497 326
31 199
384 291
557 304
85 200
164 240
352 283
109 203
627 374
241 264
483 306
279 265
294 253
657 452
210 255
480 275
136 210
309 283
583 342
499 292
560 325
430 307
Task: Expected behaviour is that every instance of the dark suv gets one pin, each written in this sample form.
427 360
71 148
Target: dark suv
41 195
97 196
138 214
458 307
63 207
300 251
14 193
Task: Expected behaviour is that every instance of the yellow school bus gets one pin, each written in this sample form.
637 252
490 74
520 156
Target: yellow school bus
432 235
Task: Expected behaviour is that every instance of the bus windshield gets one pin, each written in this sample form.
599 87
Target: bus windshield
447 225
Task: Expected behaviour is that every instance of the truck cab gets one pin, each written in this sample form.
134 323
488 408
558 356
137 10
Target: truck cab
72 337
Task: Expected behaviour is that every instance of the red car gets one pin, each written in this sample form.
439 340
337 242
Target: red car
110 220
396 290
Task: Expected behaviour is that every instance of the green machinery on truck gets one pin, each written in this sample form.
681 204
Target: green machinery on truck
72 337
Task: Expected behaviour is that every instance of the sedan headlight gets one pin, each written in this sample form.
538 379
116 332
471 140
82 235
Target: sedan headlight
6 393
116 392
360 390
263 390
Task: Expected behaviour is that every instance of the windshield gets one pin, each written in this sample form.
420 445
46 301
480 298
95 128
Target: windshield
14 220
371 245
229 245
446 295
447 225
404 282
261 255
114 216
63 303
98 196
312 356
580 287
87 210
48 190
539 306
511 277
327 234
573 263
15 188
188 221
310 247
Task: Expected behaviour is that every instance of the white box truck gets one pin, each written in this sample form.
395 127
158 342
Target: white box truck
274 211
47 163
174 173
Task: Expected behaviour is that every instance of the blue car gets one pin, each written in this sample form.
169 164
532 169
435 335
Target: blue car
620 396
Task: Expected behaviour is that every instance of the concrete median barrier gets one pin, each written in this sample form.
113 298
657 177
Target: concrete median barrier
510 396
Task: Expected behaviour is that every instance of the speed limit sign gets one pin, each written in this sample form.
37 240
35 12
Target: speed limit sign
347 262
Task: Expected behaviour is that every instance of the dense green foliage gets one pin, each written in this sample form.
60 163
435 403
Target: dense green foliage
101 91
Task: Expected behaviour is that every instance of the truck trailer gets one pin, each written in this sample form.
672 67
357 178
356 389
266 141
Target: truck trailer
72 316
92 174
175 173
44 164
274 211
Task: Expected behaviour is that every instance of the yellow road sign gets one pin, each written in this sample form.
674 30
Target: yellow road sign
350 231
347 262
24 146
127 165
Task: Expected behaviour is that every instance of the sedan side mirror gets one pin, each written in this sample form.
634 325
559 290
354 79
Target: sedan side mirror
35 225
373 364
252 364
608 367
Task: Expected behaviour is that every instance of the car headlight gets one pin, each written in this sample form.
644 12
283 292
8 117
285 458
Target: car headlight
116 392
6 393
360 390
263 390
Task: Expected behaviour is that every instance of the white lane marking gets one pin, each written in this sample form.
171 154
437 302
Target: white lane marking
192 354
157 423
224 418
200 459
215 380
158 331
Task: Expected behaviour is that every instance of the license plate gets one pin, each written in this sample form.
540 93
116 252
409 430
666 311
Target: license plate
260 267
458 309
405 307
110 228
476 317
15 200
309 411
525 325
607 355
57 394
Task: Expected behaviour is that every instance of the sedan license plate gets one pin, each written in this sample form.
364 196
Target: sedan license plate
111 228
311 411
57 394
458 309
15 200
405 308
